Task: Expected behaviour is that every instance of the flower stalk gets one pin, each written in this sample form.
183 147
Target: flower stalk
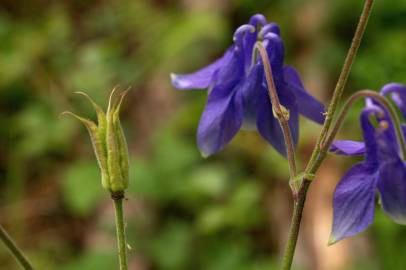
120 230
320 151
15 250
282 114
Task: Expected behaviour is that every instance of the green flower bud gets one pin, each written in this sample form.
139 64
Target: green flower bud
109 144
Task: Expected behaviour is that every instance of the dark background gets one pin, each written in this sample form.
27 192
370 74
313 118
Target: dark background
230 211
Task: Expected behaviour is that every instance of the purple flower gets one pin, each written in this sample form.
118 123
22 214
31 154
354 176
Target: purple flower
382 173
238 95
397 92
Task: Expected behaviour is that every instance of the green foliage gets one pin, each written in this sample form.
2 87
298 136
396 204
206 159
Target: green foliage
94 260
81 187
171 247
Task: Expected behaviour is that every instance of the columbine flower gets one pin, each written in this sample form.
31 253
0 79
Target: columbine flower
382 172
238 95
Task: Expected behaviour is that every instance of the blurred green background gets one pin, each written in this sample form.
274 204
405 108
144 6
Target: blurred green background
230 211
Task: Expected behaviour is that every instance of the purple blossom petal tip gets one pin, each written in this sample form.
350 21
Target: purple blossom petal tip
347 148
257 19
397 92
331 240
239 33
270 28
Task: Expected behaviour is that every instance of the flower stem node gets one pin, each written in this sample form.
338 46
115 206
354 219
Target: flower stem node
109 142
283 114
296 182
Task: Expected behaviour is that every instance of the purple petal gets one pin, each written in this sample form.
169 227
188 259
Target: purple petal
348 148
392 181
257 19
241 32
223 115
250 37
354 202
220 121
307 105
268 126
251 91
397 92
248 47
382 114
202 78
292 75
368 131
270 28
275 49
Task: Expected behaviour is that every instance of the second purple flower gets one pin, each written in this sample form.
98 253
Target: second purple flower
382 173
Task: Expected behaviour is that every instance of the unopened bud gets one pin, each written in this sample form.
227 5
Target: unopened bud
109 144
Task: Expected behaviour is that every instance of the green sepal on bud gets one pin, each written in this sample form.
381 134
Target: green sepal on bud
109 143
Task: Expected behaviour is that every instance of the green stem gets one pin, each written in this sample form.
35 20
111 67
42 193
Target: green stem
295 225
120 229
14 250
345 72
318 156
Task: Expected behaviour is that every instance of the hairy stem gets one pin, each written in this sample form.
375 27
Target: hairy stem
281 115
14 250
120 229
317 155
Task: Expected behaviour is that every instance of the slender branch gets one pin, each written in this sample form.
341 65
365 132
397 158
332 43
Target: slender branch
383 102
282 115
339 89
317 155
14 249
120 229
